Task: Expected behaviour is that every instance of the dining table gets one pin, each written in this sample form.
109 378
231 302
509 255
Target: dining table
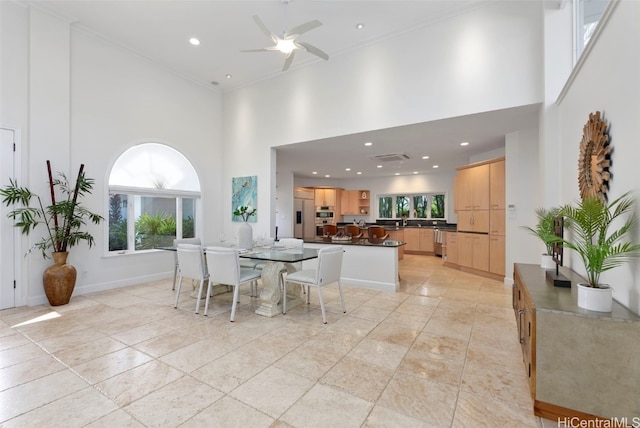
277 259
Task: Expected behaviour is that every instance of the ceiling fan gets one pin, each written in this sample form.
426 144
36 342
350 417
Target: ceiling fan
288 43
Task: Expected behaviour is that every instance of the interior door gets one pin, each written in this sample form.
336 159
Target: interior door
7 248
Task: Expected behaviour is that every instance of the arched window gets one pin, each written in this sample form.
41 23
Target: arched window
154 193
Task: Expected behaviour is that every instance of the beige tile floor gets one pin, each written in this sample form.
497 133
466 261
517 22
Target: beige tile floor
441 352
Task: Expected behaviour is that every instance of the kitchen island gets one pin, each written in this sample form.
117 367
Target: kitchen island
366 265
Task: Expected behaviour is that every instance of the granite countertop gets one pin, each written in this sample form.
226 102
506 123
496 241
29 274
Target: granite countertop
358 242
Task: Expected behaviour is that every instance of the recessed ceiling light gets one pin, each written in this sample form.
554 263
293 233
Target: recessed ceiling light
379 166
368 143
464 143
314 172
359 172
228 76
347 169
425 157
214 83
327 176
359 26
415 172
194 41
397 173
436 166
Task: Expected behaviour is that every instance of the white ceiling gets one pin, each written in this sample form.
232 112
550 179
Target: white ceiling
160 31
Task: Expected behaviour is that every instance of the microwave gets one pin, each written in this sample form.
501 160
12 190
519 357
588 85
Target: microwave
324 214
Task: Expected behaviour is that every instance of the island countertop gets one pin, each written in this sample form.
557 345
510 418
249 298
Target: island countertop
358 242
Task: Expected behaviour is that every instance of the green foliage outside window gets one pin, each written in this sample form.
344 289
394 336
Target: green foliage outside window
402 206
437 206
155 230
384 207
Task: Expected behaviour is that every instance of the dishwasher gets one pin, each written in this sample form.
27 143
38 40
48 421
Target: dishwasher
437 242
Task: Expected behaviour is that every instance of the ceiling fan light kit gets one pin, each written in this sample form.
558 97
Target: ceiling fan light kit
288 43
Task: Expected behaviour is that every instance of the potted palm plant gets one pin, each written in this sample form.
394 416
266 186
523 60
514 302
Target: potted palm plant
544 231
600 244
62 221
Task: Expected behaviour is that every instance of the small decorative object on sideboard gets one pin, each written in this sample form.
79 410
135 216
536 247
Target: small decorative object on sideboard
245 231
599 249
62 219
544 231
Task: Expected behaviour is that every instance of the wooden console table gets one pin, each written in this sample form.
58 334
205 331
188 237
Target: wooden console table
580 363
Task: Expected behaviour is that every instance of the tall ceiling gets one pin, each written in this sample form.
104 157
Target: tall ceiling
160 31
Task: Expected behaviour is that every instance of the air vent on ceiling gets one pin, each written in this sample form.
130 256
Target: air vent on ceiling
391 157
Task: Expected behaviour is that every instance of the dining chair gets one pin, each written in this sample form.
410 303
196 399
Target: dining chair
224 267
377 234
353 231
176 242
327 271
192 265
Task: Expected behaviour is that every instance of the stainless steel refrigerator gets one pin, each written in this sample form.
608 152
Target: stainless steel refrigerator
304 218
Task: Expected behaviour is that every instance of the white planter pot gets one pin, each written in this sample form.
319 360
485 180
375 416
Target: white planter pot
245 236
546 262
595 299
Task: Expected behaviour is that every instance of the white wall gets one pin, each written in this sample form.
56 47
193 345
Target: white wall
487 59
78 99
607 81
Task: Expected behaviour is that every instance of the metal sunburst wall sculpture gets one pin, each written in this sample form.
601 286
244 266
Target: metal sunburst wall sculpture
594 161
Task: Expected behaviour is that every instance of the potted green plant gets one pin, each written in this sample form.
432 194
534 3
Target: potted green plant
245 231
544 231
600 244
62 221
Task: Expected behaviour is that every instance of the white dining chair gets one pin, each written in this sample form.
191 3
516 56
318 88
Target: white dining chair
327 272
224 268
176 242
191 265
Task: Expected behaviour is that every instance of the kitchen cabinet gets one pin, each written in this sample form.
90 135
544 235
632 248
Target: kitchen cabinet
473 221
473 250
397 235
450 247
497 185
355 202
325 197
419 240
473 183
497 254
580 363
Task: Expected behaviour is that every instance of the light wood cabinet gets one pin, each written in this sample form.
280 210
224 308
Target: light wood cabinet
473 183
397 235
419 240
497 185
473 221
325 197
497 254
473 251
450 250
496 222
355 202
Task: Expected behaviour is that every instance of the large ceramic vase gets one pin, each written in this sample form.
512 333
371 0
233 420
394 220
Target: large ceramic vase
245 236
595 299
59 280
546 262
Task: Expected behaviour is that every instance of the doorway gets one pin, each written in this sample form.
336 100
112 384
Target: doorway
8 250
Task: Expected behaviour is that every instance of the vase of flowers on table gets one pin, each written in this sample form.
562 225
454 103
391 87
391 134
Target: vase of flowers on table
245 231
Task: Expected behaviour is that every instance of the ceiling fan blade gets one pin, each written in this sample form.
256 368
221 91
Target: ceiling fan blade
314 50
303 28
272 48
264 29
288 61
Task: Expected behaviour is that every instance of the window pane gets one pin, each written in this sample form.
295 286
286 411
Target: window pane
117 222
402 206
420 206
154 166
384 207
155 222
188 217
437 206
